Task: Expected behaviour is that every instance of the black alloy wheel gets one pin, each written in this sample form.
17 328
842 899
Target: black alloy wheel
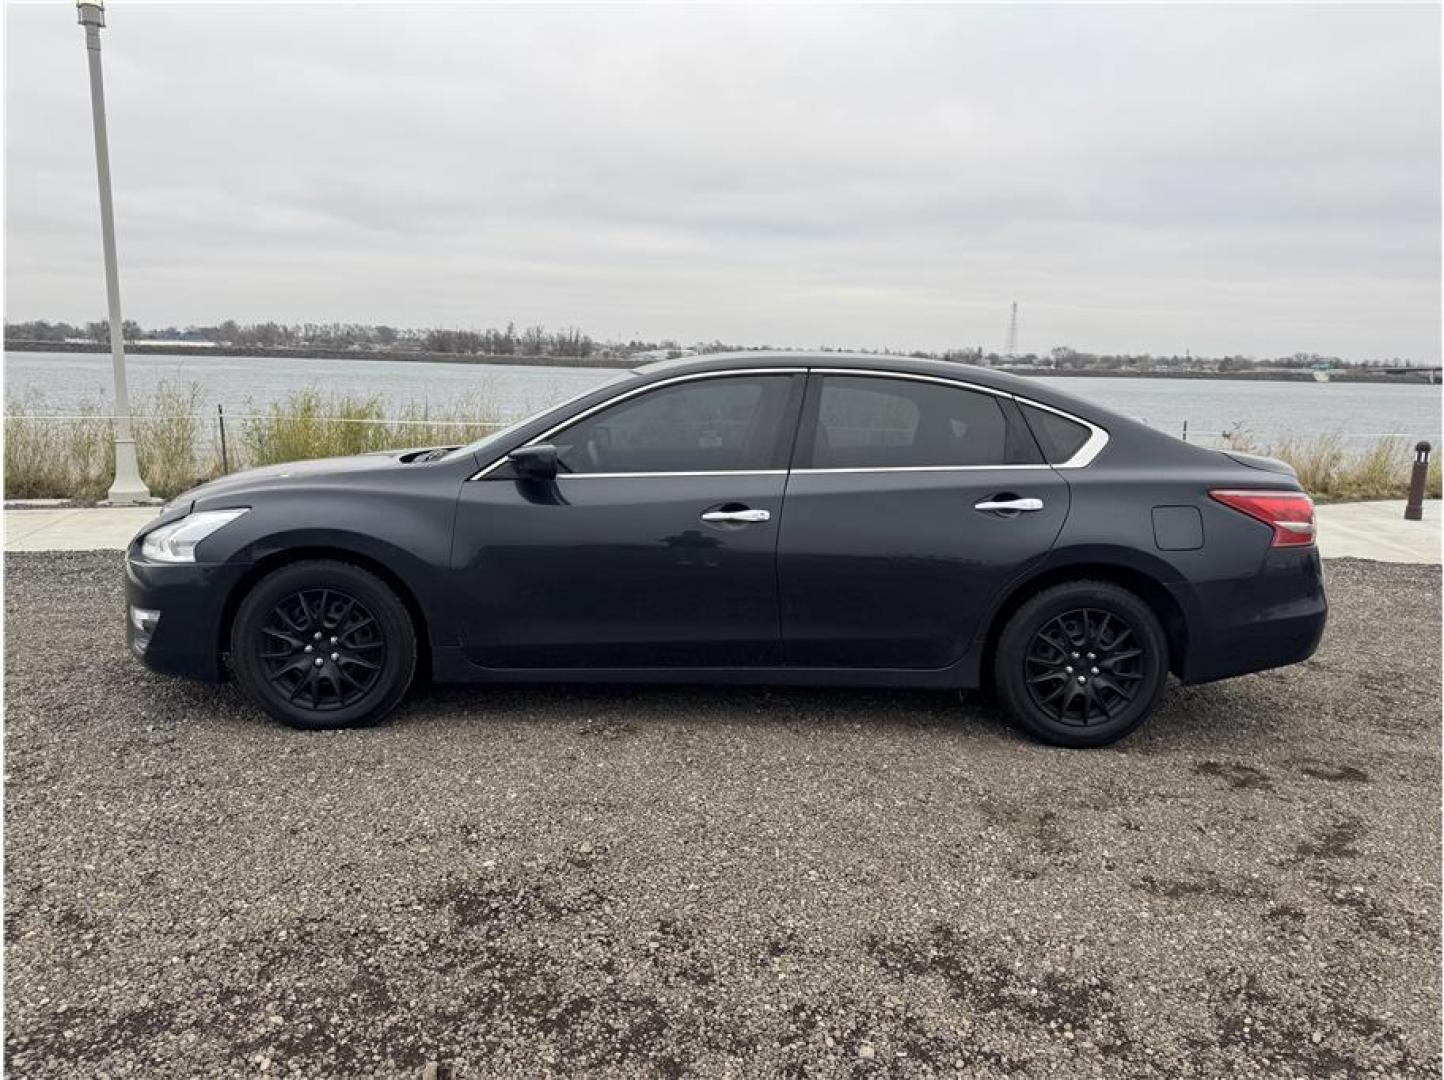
1081 664
323 644
1084 666
322 648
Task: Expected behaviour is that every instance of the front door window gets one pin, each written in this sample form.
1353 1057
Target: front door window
725 424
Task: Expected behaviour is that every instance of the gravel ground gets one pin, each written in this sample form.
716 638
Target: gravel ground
720 882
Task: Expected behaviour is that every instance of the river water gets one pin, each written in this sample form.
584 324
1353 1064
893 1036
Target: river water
62 382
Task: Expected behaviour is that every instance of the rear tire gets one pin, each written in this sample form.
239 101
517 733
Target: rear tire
1081 664
323 644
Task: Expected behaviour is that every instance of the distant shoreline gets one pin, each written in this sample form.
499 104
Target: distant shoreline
141 348
1351 375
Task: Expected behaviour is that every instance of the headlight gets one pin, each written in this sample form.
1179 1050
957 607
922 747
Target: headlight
177 541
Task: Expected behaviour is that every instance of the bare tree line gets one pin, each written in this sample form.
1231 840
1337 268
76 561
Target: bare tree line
530 341
571 342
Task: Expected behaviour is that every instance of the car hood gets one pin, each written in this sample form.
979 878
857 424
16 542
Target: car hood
271 477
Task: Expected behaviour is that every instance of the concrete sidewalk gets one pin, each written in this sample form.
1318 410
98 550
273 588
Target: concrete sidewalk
1367 530
1377 530
62 528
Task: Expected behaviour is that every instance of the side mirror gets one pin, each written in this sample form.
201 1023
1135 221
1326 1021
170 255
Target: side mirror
534 462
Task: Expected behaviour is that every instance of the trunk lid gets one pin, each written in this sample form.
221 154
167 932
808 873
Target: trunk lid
1262 463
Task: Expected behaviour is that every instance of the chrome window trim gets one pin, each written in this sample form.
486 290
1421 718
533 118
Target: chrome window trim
1091 448
923 468
655 475
547 434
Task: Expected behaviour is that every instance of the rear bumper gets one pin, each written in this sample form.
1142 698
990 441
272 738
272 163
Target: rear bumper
182 606
1269 620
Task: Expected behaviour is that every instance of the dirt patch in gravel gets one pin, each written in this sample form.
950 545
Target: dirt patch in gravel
681 881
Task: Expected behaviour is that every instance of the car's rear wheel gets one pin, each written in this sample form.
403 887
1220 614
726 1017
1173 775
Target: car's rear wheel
323 644
1081 664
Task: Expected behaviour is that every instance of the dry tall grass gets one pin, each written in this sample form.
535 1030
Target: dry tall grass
170 441
73 455
1333 470
311 425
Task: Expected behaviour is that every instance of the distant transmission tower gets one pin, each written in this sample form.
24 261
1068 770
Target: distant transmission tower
1012 351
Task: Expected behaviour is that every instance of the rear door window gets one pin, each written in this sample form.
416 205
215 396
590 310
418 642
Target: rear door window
877 422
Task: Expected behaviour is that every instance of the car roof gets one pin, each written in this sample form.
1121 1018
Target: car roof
800 358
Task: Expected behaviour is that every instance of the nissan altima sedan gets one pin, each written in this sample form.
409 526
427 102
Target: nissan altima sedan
751 518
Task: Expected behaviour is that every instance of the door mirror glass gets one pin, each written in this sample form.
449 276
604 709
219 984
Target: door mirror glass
534 462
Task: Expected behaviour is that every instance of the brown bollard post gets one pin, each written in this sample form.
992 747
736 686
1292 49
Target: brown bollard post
1414 510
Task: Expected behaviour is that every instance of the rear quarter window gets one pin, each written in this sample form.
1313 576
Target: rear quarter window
1059 437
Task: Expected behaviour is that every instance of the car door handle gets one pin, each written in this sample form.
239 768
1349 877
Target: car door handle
1008 505
736 517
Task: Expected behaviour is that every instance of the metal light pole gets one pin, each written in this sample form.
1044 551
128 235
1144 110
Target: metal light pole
128 487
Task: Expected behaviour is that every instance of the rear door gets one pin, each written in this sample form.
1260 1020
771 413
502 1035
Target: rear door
911 501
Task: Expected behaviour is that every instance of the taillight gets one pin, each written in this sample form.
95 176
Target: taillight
1289 513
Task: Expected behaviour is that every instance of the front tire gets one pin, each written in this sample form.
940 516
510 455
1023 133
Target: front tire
323 644
1081 664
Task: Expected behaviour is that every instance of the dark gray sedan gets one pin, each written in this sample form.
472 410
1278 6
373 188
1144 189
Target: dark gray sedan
749 518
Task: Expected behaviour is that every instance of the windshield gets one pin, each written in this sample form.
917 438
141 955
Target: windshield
484 447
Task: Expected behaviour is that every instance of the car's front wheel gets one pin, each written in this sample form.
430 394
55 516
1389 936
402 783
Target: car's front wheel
323 644
1081 664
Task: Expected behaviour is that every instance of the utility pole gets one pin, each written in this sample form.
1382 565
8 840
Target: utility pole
127 487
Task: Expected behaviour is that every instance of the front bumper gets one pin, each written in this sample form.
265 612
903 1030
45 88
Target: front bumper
182 610
1269 620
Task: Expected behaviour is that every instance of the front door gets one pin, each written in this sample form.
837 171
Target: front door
911 501
655 546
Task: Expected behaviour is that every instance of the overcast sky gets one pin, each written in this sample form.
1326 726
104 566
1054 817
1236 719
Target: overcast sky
1256 180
